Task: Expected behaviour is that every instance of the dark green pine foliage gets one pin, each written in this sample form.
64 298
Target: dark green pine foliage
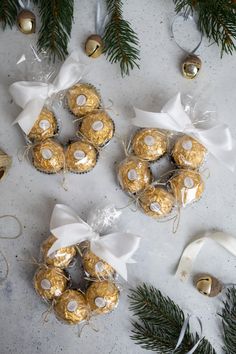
57 19
229 321
120 40
8 12
217 20
159 323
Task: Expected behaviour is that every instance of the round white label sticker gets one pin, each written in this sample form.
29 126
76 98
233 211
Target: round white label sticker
45 284
100 302
187 145
132 175
81 100
47 154
72 306
44 124
155 207
57 292
188 183
99 267
149 140
97 126
79 154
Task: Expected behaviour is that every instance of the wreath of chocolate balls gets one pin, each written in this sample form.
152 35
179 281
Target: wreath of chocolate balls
184 185
80 155
54 285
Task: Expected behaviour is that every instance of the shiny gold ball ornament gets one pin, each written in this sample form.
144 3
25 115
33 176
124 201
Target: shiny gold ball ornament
61 258
134 175
45 126
71 307
187 186
48 156
156 202
26 22
83 99
5 164
80 157
102 297
96 267
188 153
50 282
94 46
98 128
191 66
208 285
149 144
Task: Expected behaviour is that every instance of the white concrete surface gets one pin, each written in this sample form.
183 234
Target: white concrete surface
31 195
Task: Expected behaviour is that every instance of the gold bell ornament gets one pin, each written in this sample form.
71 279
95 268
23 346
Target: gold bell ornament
191 66
5 164
208 285
26 20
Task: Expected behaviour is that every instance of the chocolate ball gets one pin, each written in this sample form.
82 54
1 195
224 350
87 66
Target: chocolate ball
71 307
61 258
156 202
80 157
102 297
188 153
48 156
149 144
134 175
96 267
44 127
83 99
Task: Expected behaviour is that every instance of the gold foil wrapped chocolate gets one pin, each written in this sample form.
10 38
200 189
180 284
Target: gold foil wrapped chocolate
48 156
83 99
187 186
156 202
149 144
50 282
188 153
61 258
44 127
97 128
96 267
102 296
134 175
5 164
208 285
80 157
71 307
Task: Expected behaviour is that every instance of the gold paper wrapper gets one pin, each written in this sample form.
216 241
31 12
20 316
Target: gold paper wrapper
61 258
96 267
80 157
102 297
98 128
83 99
149 144
71 307
134 175
44 127
188 153
5 164
48 156
187 186
156 202
50 282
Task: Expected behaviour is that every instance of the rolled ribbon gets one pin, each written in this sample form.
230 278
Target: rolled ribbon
217 138
31 96
193 249
116 249
100 21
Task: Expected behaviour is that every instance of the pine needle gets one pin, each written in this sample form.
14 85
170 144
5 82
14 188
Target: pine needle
228 316
8 12
159 323
121 42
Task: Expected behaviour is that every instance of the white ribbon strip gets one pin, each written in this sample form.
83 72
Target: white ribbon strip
116 249
31 96
193 249
217 138
100 21
24 4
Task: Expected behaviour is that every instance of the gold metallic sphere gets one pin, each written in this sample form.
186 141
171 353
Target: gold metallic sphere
96 267
208 285
26 22
94 46
156 202
191 66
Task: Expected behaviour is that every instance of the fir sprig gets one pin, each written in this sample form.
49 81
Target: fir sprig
121 42
228 316
55 32
159 323
8 12
216 19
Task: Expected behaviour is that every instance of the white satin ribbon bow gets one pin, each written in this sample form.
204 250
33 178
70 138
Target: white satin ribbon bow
31 96
216 138
116 249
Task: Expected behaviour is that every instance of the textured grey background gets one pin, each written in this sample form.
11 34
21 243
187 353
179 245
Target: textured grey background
31 195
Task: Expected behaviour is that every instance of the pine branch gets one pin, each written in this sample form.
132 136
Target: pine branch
160 322
55 32
228 316
120 40
8 12
216 19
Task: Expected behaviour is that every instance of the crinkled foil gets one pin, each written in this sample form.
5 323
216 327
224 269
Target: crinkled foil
156 202
80 157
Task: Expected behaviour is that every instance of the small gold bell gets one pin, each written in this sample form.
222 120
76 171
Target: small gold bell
208 285
26 22
94 46
191 66
5 164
